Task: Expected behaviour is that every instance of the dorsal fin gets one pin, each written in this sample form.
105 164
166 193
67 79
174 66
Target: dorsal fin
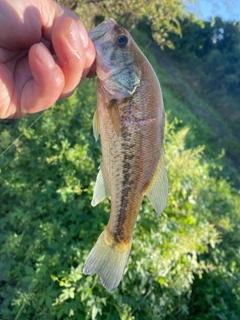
158 191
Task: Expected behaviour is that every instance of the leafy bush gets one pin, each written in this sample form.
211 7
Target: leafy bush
48 227
160 17
215 48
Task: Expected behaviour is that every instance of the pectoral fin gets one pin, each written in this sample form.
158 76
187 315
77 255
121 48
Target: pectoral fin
96 125
114 116
100 190
158 192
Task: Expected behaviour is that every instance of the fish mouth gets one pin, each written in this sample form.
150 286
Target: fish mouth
102 29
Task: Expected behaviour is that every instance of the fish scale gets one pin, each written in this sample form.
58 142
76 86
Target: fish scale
130 120
124 186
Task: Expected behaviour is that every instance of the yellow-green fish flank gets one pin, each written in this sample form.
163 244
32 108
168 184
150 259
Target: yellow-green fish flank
130 120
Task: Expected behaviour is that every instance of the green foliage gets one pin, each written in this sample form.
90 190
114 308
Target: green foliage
183 265
215 49
48 227
160 17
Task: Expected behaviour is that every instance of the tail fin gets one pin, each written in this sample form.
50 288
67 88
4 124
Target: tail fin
108 259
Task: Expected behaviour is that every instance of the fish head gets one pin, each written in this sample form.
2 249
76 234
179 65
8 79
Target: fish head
116 65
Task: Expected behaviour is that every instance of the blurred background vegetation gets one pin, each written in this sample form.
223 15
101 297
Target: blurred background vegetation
184 264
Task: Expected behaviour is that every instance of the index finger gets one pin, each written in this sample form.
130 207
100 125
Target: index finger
75 51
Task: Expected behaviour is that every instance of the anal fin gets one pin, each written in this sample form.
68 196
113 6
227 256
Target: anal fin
100 190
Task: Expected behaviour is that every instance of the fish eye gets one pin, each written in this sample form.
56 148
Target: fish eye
122 41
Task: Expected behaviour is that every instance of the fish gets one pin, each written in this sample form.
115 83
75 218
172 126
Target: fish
130 120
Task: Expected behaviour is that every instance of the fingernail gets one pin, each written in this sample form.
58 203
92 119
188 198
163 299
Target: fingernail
83 34
43 56
77 35
73 35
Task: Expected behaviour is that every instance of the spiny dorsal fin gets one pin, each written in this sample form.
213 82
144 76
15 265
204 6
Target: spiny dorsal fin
158 192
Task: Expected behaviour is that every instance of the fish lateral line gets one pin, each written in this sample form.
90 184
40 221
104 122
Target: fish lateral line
130 119
139 122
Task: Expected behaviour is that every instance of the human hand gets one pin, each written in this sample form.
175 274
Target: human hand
45 52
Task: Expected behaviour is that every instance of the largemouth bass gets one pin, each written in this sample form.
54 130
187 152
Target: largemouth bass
130 120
